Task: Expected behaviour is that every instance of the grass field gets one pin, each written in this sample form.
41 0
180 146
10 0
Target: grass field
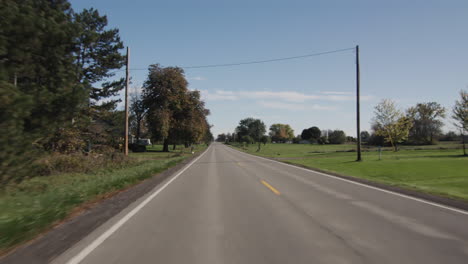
34 205
436 169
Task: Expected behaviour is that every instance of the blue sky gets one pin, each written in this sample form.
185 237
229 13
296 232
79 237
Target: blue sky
411 51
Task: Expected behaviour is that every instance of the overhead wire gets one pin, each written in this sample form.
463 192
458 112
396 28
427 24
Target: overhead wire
252 62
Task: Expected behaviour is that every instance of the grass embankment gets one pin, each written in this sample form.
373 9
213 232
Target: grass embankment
36 204
436 169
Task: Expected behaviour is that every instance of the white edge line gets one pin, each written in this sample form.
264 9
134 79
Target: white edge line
362 184
98 241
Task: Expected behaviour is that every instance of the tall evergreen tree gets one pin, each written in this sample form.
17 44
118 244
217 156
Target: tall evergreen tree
98 56
37 76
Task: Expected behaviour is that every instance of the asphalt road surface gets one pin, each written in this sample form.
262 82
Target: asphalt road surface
231 207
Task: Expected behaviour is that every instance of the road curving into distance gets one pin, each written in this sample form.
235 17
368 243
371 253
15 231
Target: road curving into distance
230 207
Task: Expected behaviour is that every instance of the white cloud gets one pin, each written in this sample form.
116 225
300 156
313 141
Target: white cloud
207 96
224 92
197 78
289 96
336 93
293 107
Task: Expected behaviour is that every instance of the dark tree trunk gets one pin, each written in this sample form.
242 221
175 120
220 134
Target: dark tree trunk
186 144
166 145
174 146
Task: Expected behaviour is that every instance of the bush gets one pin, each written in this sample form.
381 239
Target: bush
323 140
337 137
79 163
247 139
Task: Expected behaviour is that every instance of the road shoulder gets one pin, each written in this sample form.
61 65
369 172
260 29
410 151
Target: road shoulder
51 244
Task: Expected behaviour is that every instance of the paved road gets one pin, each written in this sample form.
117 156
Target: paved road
230 207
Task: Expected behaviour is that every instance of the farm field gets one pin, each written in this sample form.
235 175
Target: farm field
436 169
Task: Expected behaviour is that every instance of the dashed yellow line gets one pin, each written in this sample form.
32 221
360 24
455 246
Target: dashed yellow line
271 187
239 164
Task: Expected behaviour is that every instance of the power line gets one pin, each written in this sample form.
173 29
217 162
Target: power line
253 62
266 61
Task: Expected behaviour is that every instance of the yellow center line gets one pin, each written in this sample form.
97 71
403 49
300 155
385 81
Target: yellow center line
271 187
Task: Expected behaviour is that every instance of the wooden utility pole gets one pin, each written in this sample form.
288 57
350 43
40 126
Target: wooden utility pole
358 114
127 75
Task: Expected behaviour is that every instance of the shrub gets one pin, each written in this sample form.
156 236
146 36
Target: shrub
79 163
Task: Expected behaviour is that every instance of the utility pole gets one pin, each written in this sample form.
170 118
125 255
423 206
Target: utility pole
127 75
358 114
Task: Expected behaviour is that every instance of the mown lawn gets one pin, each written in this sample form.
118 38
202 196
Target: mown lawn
34 205
433 169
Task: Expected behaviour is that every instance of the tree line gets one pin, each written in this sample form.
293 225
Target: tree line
58 88
251 131
418 125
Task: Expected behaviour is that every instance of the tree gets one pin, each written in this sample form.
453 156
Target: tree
427 123
192 123
208 138
375 139
247 139
97 55
221 138
390 123
243 128
460 115
281 133
313 134
450 136
257 131
163 95
253 128
297 139
323 140
175 114
137 113
337 137
38 84
365 136
306 134
230 137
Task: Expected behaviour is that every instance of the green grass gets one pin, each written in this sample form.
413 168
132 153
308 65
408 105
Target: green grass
34 205
438 169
